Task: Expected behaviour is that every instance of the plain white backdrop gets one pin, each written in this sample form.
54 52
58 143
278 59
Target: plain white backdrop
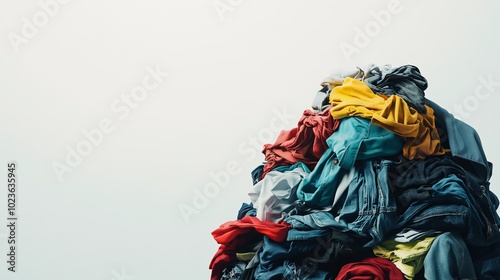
237 72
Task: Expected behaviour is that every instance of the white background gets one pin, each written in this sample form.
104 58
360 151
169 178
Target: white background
117 214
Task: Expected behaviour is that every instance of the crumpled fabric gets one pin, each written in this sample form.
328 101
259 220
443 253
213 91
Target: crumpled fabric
355 98
336 78
413 180
234 235
420 141
375 268
319 253
356 139
320 101
455 261
404 81
338 75
276 195
305 143
465 145
233 273
407 256
367 210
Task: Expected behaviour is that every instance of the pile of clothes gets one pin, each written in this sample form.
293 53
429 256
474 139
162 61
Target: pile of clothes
375 182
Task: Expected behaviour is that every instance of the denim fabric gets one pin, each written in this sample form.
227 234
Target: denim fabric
483 204
317 251
319 188
307 270
246 210
233 272
453 190
464 143
412 180
274 254
486 261
448 258
404 81
356 139
442 177
368 209
481 220
443 216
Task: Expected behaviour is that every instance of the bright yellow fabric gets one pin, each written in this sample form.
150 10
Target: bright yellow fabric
355 98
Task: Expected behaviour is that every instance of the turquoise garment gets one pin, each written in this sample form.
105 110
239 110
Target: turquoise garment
356 139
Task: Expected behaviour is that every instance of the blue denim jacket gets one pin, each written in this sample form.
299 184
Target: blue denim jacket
356 139
368 209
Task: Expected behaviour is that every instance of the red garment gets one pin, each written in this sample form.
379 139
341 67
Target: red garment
236 234
306 143
373 268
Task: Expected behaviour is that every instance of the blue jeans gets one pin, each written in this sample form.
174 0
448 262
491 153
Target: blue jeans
368 209
448 258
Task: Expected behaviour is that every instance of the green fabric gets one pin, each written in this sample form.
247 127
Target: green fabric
245 257
407 256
